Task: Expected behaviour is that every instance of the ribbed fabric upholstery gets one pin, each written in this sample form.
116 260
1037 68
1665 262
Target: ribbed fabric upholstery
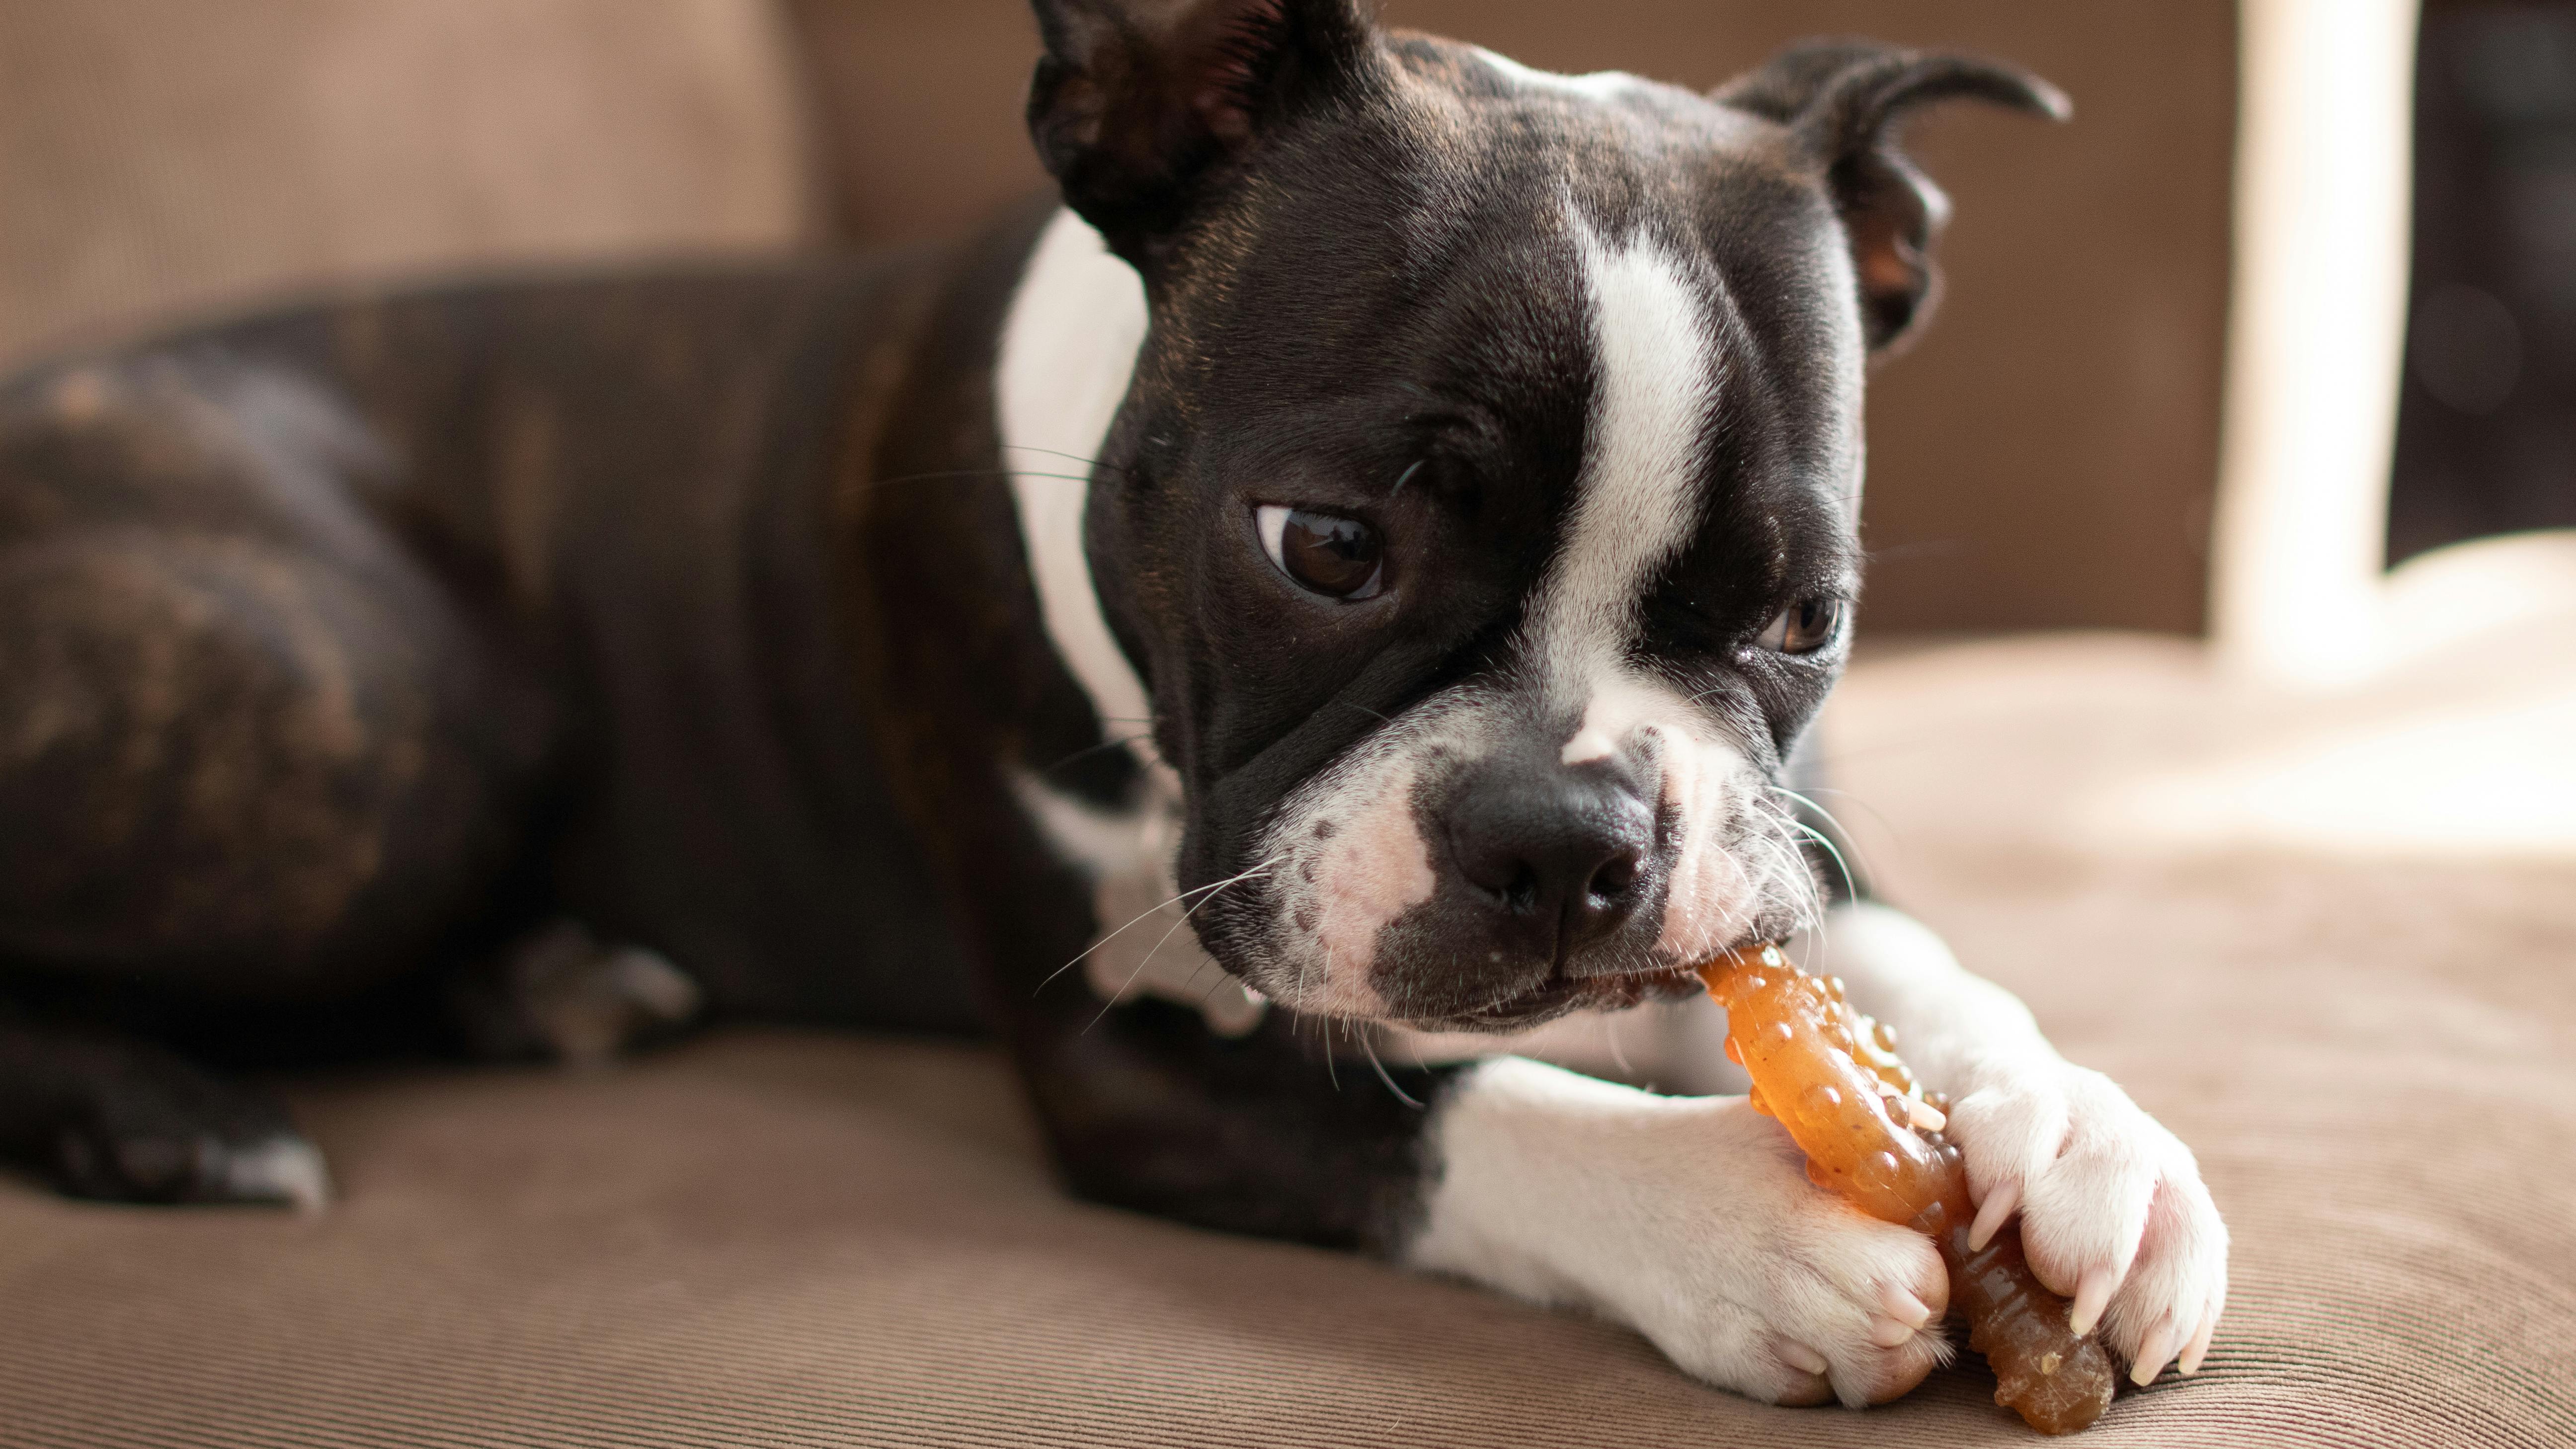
777 1239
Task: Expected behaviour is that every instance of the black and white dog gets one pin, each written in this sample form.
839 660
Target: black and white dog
1388 530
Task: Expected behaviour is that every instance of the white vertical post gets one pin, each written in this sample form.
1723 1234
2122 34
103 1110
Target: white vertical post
2317 333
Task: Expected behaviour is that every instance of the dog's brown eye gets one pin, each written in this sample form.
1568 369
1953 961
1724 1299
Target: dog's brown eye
1340 558
1804 627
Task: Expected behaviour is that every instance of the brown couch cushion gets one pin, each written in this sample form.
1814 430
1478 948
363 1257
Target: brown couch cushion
790 1239
170 155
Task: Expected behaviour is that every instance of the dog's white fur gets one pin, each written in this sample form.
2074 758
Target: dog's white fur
1068 350
1637 501
2112 1204
1599 85
1564 1189
1688 1218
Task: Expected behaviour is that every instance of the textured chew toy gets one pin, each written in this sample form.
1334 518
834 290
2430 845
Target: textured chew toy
1830 1076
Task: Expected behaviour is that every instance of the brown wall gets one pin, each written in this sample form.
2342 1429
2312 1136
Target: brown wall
163 158
2042 458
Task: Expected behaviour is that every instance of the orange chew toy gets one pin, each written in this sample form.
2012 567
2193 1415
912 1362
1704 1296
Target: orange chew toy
1829 1075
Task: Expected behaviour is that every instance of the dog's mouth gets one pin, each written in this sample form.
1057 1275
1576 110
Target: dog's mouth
1561 995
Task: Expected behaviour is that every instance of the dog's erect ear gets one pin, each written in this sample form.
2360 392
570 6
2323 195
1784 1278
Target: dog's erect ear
1136 101
1843 100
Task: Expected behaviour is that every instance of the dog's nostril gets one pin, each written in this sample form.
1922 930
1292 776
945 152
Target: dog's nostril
1614 878
1521 891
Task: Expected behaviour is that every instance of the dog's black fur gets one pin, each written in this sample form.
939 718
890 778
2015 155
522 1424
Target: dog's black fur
342 649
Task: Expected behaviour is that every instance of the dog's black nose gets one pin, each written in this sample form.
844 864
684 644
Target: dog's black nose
1559 852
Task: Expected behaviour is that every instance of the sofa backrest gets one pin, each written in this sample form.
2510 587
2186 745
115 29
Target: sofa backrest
160 158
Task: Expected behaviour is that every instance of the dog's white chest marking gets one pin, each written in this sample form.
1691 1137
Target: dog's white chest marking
1068 354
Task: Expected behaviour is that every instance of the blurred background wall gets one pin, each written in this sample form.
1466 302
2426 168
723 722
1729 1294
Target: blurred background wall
2486 420
160 158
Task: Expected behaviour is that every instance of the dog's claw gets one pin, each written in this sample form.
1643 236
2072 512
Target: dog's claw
1994 1213
1904 1307
2091 1297
2199 1346
1800 1357
2153 1351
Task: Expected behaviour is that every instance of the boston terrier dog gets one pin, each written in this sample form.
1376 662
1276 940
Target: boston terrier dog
1373 543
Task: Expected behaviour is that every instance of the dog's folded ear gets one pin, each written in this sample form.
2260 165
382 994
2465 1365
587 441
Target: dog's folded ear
1137 102
1843 100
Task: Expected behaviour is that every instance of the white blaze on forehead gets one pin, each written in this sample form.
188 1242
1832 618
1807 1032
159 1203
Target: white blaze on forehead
1637 503
1637 499
1600 85
1619 705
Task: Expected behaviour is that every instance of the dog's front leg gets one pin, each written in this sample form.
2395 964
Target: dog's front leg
2113 1210
1687 1218
1143 1107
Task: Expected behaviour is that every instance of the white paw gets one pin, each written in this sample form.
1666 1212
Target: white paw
1776 1288
1689 1219
2113 1211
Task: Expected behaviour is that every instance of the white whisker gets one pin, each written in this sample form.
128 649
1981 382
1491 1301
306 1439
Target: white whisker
1368 1040
1787 862
1123 930
1844 831
1212 893
1618 1053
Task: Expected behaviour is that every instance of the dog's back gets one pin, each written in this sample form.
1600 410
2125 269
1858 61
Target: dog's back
338 641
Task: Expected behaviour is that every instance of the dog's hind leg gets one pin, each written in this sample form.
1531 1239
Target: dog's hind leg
257 766
102 1116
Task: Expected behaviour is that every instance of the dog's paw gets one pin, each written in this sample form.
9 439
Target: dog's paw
563 994
1774 1287
161 1166
2113 1212
128 1123
1690 1220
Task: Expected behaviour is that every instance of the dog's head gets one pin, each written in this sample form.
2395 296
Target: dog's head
1482 510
